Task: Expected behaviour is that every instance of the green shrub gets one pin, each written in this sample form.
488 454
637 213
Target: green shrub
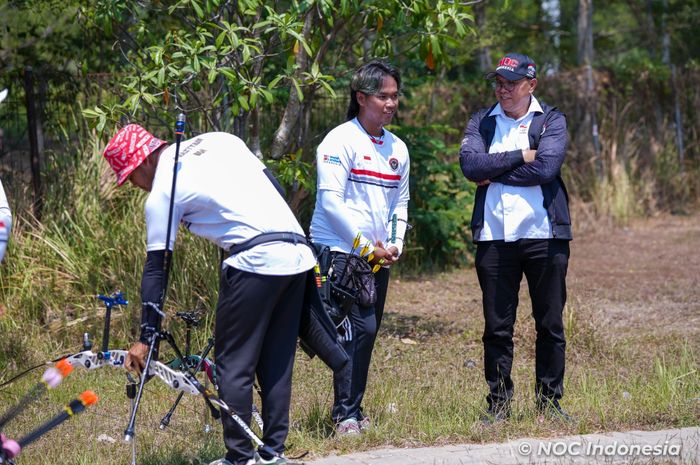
441 202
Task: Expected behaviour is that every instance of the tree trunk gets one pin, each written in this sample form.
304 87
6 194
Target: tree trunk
585 59
652 41
650 28
35 141
552 10
284 139
255 133
666 58
485 64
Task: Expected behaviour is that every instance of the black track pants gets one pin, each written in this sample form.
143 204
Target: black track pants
500 267
349 383
257 323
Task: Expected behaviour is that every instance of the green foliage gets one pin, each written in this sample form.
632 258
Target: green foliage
203 58
217 61
293 173
441 203
443 26
34 33
298 179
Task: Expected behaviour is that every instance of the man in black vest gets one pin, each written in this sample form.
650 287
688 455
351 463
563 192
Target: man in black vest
514 151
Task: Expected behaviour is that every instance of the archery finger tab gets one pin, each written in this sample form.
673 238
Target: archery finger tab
64 367
88 398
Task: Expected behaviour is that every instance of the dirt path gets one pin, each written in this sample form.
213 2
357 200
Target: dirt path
644 278
638 280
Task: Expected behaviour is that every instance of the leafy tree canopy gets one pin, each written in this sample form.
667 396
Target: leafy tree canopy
223 59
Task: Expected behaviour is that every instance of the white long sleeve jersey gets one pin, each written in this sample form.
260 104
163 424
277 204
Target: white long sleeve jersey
223 194
362 184
5 222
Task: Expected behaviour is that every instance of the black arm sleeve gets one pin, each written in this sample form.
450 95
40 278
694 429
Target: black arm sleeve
151 294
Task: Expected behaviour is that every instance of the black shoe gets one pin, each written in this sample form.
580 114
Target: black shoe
496 413
551 409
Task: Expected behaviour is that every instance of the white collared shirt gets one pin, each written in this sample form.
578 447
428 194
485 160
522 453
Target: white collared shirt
513 212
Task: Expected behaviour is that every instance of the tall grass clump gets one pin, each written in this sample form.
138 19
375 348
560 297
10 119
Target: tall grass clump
90 240
655 396
615 197
677 186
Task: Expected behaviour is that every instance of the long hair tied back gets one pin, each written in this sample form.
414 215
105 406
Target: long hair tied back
368 79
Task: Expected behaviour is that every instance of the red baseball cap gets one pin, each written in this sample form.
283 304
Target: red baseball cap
129 148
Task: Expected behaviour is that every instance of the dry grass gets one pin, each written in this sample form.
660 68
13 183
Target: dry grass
633 341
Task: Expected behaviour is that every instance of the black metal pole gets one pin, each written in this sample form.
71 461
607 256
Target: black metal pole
33 127
130 430
179 131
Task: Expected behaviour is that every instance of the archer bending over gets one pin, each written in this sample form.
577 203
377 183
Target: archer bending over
225 194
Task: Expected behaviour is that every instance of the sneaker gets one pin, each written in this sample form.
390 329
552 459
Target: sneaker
496 413
282 460
365 423
551 409
222 462
349 427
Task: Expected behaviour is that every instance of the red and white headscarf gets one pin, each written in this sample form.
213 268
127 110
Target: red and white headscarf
129 148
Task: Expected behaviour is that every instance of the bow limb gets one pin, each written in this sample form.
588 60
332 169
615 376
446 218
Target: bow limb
184 381
175 379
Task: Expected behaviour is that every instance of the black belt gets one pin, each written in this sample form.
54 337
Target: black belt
264 238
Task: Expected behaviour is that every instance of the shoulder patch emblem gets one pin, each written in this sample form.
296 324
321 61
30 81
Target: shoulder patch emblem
394 163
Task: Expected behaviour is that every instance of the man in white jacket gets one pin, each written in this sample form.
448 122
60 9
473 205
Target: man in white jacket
225 194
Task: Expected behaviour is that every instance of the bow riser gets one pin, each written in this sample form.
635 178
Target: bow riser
89 360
